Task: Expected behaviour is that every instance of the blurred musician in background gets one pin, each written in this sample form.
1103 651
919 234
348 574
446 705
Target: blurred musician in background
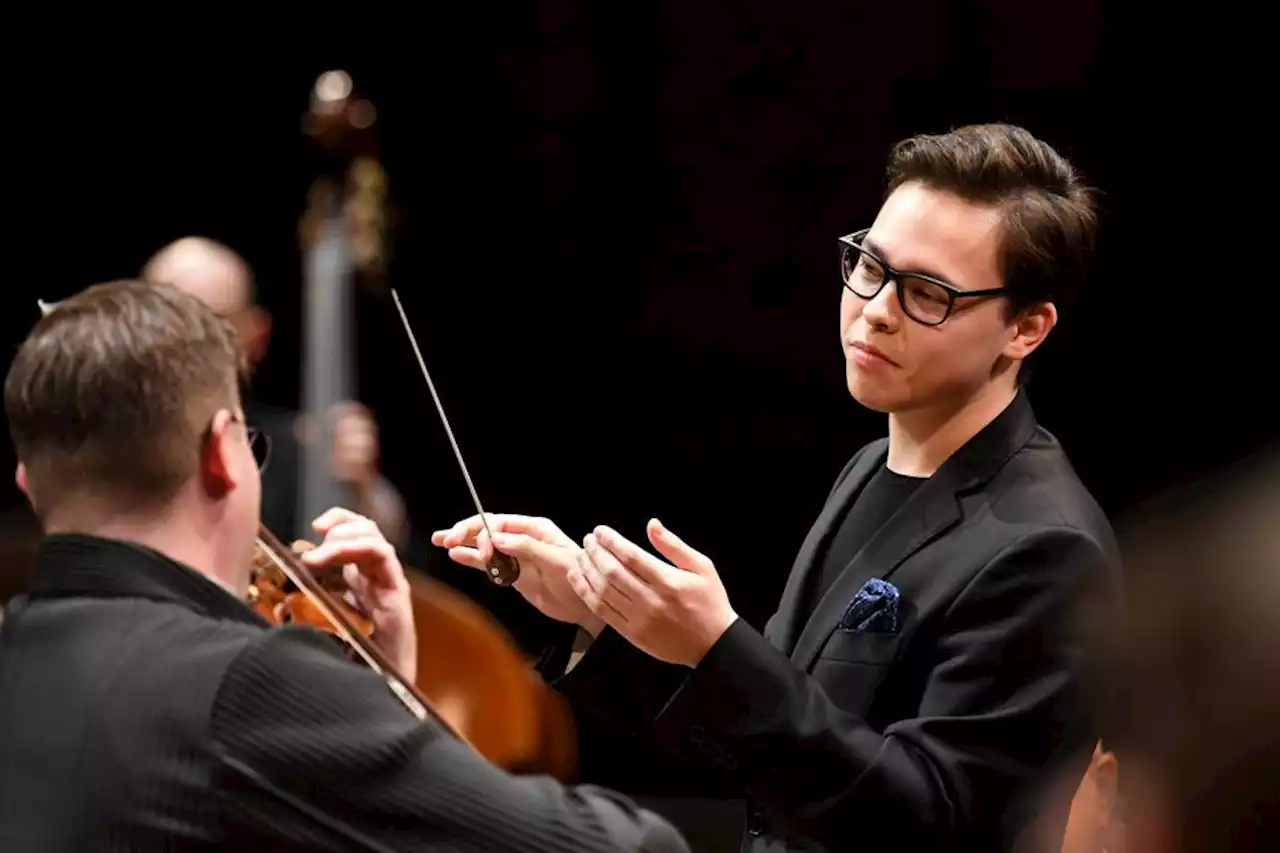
219 276
143 704
1095 817
1185 678
1188 671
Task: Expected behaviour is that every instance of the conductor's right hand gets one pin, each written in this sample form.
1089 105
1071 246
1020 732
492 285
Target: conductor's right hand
545 553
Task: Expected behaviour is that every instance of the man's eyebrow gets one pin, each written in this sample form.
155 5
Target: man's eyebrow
876 250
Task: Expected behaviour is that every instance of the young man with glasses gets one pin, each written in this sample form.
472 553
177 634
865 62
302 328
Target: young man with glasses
916 682
143 704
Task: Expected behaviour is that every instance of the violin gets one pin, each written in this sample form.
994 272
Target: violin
472 678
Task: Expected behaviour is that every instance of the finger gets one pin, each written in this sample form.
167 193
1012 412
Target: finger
451 537
639 562
622 588
520 545
373 555
360 594
469 529
590 589
463 532
597 578
355 528
674 549
358 604
469 557
333 517
301 546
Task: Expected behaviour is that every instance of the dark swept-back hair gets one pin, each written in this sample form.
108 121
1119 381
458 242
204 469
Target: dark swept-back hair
1049 216
111 393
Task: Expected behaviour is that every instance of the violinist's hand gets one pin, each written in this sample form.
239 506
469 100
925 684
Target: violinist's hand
674 613
546 556
375 577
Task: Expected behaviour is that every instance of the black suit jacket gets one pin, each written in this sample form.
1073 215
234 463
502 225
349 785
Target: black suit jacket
142 708
938 736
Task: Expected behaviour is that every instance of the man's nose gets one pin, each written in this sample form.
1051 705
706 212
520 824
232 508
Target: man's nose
883 310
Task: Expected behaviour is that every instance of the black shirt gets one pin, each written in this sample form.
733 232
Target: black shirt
884 493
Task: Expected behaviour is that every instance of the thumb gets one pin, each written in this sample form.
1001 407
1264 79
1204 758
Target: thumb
673 548
519 545
301 546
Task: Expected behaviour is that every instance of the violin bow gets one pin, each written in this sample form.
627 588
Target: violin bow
503 569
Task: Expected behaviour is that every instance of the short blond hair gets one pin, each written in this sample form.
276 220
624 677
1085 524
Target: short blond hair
112 391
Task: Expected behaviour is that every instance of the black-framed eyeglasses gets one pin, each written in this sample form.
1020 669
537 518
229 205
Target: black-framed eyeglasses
259 442
924 298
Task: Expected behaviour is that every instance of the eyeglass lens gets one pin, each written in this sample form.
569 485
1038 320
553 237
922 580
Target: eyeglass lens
923 300
260 443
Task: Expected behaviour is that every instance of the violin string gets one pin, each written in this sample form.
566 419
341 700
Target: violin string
457 453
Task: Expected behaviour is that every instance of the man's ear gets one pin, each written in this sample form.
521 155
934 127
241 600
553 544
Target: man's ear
24 486
20 477
217 473
1031 326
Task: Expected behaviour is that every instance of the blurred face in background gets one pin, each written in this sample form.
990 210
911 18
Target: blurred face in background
221 279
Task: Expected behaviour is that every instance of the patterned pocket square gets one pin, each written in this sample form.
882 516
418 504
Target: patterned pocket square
873 610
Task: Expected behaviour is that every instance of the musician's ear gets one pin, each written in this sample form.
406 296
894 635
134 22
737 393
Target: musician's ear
20 477
255 332
217 460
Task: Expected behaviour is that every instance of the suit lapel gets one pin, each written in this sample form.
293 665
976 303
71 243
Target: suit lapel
929 513
787 622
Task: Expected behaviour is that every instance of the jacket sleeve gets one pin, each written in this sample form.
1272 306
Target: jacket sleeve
617 692
624 685
316 753
1004 672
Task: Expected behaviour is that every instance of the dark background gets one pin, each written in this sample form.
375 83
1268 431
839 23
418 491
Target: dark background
617 227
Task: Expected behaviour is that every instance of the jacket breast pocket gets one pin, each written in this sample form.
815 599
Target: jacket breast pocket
851 665
860 647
